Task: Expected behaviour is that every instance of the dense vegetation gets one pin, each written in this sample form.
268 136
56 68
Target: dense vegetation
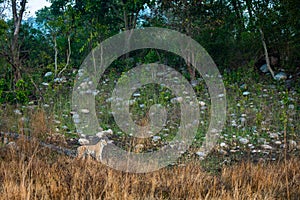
40 57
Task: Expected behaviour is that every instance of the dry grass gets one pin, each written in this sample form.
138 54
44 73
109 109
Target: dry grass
31 172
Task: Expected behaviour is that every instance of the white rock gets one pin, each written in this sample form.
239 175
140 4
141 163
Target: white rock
108 132
291 106
246 93
83 141
273 135
45 84
266 147
56 121
156 138
223 144
136 95
292 144
85 111
244 140
48 74
12 145
278 142
243 121
264 68
18 112
179 99
202 103
201 154
280 76
261 140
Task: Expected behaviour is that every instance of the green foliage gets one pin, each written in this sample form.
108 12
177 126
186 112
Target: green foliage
22 91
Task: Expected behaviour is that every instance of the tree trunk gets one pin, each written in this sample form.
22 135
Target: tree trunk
266 52
15 47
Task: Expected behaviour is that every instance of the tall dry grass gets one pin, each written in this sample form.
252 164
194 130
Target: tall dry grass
29 171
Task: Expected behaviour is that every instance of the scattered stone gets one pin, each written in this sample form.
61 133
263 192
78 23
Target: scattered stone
223 144
280 76
201 103
201 154
136 95
45 84
244 140
12 145
264 68
277 142
223 152
292 144
291 107
261 140
156 138
244 86
109 131
243 121
18 112
83 141
85 111
246 93
274 135
48 74
56 121
266 147
179 99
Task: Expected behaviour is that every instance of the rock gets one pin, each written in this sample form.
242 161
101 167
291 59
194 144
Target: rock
277 142
292 144
136 95
264 68
12 145
83 141
48 74
291 107
280 76
266 147
261 140
274 135
221 151
179 99
244 86
156 138
108 132
85 111
223 144
244 140
201 154
45 84
102 134
243 121
246 93
201 103
18 112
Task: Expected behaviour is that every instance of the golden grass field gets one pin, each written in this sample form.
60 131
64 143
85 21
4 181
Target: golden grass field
32 172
